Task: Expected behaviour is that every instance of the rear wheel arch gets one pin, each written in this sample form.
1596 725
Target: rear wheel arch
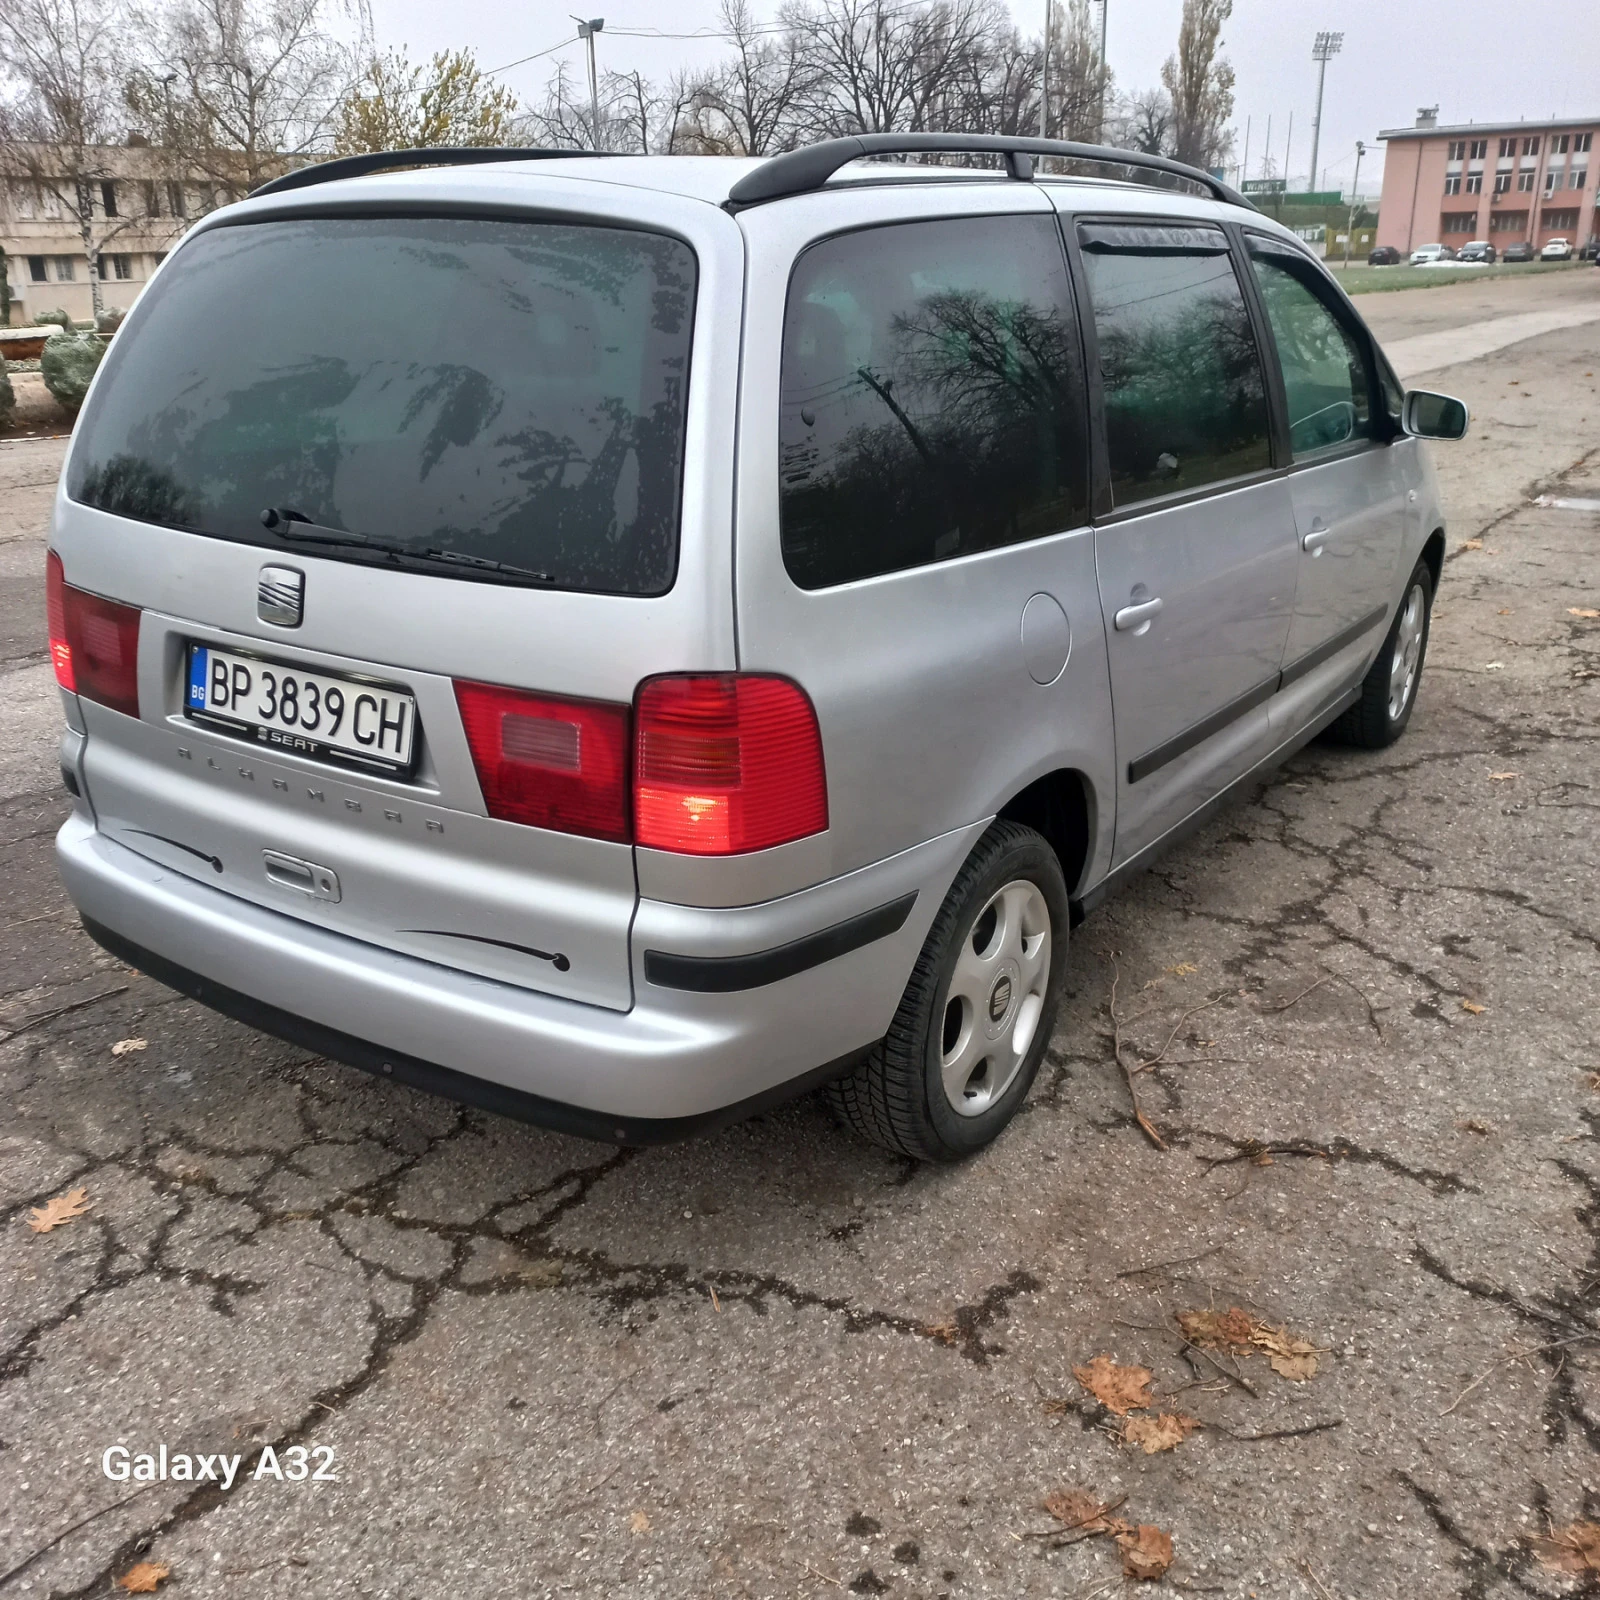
1061 807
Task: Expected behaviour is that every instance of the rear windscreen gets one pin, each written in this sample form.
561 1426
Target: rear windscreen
504 396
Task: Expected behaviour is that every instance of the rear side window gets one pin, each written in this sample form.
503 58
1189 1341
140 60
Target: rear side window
1326 379
932 400
508 394
1185 396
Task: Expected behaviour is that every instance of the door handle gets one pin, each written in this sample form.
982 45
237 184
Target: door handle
1135 619
1313 542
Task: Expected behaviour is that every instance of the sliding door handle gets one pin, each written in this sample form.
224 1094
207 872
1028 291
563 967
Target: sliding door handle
1135 619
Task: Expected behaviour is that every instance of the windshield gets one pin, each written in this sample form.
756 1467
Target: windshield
503 401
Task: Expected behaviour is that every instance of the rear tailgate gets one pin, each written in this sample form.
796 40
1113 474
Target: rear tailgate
410 858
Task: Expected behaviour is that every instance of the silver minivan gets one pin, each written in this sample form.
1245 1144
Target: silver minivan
624 641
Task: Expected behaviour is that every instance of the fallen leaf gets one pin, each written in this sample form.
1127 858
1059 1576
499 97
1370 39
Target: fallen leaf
1475 1125
1077 1508
1472 544
1503 777
123 1046
946 1332
1289 1355
540 1274
1262 1159
1183 969
1504 611
1594 1081
639 1523
1118 1389
1571 1549
1219 1329
64 1208
1588 613
1473 1007
144 1578
1146 1551
1165 1432
1494 666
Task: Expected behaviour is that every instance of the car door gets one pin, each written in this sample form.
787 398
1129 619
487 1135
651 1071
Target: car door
1195 546
1347 484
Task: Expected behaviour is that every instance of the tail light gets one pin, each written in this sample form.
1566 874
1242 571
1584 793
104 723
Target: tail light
94 643
549 762
725 764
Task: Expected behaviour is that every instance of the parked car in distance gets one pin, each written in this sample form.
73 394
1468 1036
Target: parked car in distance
727 643
1522 250
1430 255
1557 250
1384 256
1591 249
1480 250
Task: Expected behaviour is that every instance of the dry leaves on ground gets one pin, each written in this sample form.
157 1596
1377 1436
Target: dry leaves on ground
1236 1330
1473 1007
1472 544
123 1046
64 1208
1183 969
1588 613
1146 1551
1571 1549
639 1522
1164 1432
1118 1389
144 1578
1503 777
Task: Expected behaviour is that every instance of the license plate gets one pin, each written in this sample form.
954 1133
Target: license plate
303 713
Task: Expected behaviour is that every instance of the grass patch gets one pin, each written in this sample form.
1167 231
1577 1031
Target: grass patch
1381 280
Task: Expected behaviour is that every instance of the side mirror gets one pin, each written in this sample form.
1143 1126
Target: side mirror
1433 416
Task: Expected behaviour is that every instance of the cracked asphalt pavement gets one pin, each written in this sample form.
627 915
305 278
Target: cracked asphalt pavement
777 1363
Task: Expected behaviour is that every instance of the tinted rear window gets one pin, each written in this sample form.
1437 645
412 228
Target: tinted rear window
511 392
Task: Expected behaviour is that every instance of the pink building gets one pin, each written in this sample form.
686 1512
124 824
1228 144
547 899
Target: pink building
1500 181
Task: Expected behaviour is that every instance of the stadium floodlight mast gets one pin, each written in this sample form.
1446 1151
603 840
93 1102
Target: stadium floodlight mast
1327 46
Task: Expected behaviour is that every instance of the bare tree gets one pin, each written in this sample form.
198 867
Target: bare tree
753 103
1143 122
243 90
1200 83
1079 81
65 115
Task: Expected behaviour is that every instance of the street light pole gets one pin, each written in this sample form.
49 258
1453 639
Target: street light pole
1044 75
1327 46
1355 200
587 31
1100 132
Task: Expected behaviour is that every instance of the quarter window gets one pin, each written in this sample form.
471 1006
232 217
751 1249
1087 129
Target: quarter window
932 397
1327 380
1185 401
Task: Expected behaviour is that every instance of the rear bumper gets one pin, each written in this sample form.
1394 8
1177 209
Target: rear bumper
679 1061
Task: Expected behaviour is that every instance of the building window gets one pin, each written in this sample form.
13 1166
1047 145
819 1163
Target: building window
1559 221
1525 179
152 197
1502 183
121 267
1459 222
1474 183
1530 147
66 269
1579 175
1581 141
36 271
1452 183
1559 143
1508 222
1458 150
1508 147
175 200
108 198
1479 149
1554 177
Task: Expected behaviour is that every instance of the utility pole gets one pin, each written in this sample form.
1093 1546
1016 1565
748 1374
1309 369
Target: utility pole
1244 166
1327 46
1044 75
1105 6
587 31
1355 200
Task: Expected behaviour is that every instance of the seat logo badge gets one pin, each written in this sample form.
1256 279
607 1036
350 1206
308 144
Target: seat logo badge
1000 999
280 596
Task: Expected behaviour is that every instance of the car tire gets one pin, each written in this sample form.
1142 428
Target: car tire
1389 690
976 1016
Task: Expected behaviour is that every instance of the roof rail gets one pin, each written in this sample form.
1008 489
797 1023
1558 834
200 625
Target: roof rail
386 160
800 171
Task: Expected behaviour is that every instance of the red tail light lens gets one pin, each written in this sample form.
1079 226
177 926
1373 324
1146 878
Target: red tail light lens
725 764
94 643
549 762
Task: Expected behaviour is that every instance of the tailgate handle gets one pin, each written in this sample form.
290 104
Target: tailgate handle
289 872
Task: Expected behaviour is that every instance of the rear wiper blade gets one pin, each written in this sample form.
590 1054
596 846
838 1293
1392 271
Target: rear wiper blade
302 530
461 558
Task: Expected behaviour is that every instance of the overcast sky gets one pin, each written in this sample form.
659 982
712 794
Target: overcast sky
1478 60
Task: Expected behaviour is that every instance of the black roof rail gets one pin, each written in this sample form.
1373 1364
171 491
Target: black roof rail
800 171
385 160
